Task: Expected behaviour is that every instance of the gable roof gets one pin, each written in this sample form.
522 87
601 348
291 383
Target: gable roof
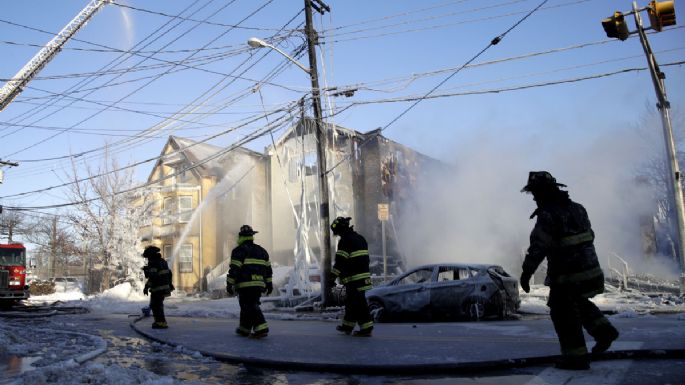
195 153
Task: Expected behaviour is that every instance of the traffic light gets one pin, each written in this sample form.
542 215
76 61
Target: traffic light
615 26
661 14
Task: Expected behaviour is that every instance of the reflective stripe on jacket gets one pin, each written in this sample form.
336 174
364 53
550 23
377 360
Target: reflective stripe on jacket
159 276
249 267
563 234
352 261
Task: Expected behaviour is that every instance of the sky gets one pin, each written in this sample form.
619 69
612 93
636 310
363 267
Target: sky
588 133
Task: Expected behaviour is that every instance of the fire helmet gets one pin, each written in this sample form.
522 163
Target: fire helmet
540 180
151 252
246 231
340 224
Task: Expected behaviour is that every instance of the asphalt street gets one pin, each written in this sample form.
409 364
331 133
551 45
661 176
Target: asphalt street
407 347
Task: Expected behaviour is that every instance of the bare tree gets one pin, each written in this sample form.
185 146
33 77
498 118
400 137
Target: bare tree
653 171
11 222
55 246
107 220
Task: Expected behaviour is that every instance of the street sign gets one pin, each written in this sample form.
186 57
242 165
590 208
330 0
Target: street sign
383 211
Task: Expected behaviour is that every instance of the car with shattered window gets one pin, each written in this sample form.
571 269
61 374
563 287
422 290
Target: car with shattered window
445 292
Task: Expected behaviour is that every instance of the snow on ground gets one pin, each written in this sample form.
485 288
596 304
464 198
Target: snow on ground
622 303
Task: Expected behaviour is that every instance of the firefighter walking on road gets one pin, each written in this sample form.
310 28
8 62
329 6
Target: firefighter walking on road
351 267
249 275
158 284
564 236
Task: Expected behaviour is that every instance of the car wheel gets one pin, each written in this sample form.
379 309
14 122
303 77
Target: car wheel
475 310
377 311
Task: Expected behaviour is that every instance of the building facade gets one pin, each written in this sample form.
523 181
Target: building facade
202 203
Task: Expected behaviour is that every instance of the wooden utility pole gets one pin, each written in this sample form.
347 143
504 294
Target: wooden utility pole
321 138
53 248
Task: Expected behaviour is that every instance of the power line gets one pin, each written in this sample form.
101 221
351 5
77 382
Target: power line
325 39
508 89
149 82
266 79
113 63
130 93
493 42
247 139
148 160
429 18
237 26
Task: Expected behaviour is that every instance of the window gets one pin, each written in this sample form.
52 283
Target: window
447 275
185 258
310 163
185 207
168 250
167 206
454 273
419 276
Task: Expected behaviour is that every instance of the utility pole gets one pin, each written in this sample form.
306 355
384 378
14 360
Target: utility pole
321 138
53 248
661 14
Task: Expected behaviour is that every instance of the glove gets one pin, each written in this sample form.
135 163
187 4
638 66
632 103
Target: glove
525 277
230 290
269 288
145 290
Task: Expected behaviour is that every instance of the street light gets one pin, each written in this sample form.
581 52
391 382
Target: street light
321 137
259 43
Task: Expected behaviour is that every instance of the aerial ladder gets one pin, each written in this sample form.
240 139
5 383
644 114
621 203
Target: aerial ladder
15 85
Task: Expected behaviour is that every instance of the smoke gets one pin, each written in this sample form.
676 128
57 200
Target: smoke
476 213
128 25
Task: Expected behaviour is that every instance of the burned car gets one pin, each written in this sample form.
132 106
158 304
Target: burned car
445 292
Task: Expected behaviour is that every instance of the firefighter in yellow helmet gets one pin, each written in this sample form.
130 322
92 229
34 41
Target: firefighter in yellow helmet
158 284
564 236
351 267
249 275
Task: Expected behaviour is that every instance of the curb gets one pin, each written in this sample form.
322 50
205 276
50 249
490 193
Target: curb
437 368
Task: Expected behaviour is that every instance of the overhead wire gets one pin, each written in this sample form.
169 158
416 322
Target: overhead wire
255 135
206 22
412 12
327 39
135 90
407 80
114 62
148 160
266 79
508 89
216 38
429 18
492 43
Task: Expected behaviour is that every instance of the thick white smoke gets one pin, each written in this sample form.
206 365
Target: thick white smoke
477 214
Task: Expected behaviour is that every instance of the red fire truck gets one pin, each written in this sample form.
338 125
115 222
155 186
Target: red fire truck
13 287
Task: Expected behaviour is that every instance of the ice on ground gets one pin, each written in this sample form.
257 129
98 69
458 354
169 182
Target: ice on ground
626 303
94 373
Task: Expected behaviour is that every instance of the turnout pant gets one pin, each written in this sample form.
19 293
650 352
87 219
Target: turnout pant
251 317
157 306
356 310
571 313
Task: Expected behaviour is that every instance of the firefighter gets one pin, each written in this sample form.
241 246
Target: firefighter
351 268
249 275
564 236
158 284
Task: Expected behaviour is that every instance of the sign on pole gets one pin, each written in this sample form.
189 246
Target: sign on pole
383 211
